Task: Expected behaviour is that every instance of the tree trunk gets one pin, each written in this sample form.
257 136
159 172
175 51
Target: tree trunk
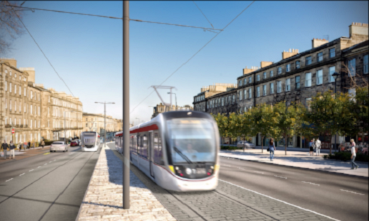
262 143
285 146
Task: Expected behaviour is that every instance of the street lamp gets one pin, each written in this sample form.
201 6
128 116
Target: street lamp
175 97
335 75
105 103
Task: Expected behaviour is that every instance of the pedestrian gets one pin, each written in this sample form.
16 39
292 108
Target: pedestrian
12 147
42 144
24 146
29 144
353 154
271 149
4 147
318 145
311 146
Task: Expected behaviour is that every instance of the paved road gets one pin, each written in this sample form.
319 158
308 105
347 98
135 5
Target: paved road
257 191
45 187
337 196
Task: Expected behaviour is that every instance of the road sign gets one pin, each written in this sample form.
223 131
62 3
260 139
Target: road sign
13 131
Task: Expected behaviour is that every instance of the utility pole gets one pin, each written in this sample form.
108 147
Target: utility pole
105 103
126 160
175 95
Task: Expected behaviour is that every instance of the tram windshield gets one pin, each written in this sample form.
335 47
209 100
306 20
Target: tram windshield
191 140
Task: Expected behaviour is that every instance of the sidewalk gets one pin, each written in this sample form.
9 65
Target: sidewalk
103 198
24 154
299 159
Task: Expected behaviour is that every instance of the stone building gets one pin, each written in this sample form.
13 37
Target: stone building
95 122
160 108
201 99
26 107
297 77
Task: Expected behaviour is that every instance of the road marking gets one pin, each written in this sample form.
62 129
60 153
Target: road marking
38 166
21 174
280 201
50 161
31 170
281 177
311 183
352 192
259 172
9 180
47 153
45 164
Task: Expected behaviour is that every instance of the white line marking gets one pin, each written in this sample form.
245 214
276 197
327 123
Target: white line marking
259 172
311 183
281 177
45 164
31 170
21 174
352 192
9 180
38 166
50 161
280 200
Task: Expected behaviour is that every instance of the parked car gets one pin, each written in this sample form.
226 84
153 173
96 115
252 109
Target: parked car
245 144
74 143
59 146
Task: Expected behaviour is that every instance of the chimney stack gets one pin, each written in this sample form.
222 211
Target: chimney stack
290 53
316 42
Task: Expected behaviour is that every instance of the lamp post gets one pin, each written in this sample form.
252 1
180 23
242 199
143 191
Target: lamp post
335 75
105 103
175 97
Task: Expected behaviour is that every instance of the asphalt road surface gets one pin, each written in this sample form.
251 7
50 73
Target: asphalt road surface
338 196
48 186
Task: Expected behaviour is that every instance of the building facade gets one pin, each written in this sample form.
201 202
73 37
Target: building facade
26 107
95 122
161 108
300 76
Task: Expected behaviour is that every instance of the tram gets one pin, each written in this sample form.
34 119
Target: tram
178 150
90 141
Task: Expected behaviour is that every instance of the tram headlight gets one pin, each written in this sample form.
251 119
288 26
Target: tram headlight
188 171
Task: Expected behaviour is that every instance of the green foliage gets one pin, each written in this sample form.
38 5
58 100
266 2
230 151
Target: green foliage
229 148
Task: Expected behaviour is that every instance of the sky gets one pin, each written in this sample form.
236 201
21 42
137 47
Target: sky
87 51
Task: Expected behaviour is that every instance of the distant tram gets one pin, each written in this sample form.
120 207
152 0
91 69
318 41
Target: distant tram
90 141
178 150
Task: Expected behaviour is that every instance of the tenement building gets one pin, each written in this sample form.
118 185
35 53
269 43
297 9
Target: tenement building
297 77
161 108
26 107
96 122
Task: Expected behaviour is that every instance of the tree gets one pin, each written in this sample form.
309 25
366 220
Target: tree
331 114
361 107
10 24
226 125
262 120
288 120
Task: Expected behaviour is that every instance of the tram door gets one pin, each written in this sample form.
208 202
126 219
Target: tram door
150 153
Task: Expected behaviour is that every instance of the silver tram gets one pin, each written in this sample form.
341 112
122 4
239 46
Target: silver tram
90 141
178 150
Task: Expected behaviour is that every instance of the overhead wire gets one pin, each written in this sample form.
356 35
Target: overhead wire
113 17
44 54
194 54
203 13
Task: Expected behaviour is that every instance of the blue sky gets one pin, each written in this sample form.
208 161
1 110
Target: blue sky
87 51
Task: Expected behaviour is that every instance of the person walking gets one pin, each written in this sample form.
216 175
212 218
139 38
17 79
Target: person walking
353 154
24 146
29 144
318 145
42 144
271 148
311 146
12 147
4 147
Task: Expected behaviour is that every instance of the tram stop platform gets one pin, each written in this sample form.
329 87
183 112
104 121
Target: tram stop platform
104 195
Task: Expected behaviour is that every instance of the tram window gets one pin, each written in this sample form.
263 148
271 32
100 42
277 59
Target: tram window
139 144
158 149
144 146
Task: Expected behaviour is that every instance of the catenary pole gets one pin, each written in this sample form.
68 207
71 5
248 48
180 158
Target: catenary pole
126 161
104 124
